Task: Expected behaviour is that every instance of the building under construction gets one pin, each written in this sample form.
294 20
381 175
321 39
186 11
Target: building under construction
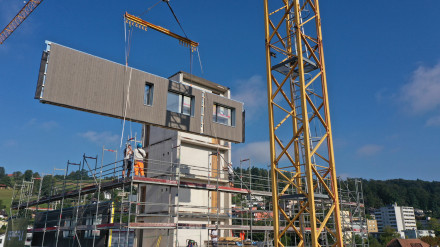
163 208
353 217
187 187
174 204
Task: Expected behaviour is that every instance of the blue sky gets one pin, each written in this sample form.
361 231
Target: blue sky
383 70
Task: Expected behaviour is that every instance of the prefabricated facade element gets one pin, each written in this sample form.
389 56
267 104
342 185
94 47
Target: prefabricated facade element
73 79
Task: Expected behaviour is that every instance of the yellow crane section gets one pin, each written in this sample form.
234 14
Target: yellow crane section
301 143
18 19
138 22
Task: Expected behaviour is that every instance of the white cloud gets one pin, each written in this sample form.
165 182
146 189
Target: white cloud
46 126
433 121
257 152
49 125
369 150
344 176
421 94
9 143
252 92
383 94
340 142
104 137
31 122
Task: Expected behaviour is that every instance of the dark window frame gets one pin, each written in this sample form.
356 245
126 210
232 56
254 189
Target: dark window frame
148 94
215 114
181 103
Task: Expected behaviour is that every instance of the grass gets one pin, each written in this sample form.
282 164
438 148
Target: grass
6 197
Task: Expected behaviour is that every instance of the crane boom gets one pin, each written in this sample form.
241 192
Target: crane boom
138 22
18 19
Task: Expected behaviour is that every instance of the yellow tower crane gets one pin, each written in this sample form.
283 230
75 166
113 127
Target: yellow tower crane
301 145
18 19
304 184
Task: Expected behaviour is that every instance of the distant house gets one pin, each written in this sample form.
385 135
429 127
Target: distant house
10 175
407 243
372 226
3 186
419 233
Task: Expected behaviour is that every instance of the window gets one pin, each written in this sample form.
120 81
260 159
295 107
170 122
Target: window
180 103
92 220
69 222
148 94
223 115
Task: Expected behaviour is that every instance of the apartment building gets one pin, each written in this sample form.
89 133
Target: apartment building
399 218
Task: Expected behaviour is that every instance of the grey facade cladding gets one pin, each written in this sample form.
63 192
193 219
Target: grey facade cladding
84 82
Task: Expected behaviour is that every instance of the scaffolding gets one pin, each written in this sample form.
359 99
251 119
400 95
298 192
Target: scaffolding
353 218
97 203
92 204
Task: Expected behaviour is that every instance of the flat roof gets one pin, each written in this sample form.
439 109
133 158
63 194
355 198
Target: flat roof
199 80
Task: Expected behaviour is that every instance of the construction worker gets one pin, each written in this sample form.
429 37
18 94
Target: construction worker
139 155
128 155
214 236
230 174
242 236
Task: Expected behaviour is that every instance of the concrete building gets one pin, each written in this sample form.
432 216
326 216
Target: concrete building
397 217
196 159
419 233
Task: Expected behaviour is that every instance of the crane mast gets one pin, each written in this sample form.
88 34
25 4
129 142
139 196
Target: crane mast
18 19
304 183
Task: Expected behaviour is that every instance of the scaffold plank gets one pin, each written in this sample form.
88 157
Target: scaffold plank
117 183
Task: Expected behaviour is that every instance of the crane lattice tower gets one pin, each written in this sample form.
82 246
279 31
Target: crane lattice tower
304 183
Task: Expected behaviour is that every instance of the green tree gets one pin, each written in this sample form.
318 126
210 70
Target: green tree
17 175
432 241
28 175
6 181
2 172
434 224
46 187
388 235
373 242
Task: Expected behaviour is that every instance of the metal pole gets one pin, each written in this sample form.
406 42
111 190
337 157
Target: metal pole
62 203
97 202
250 195
178 190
